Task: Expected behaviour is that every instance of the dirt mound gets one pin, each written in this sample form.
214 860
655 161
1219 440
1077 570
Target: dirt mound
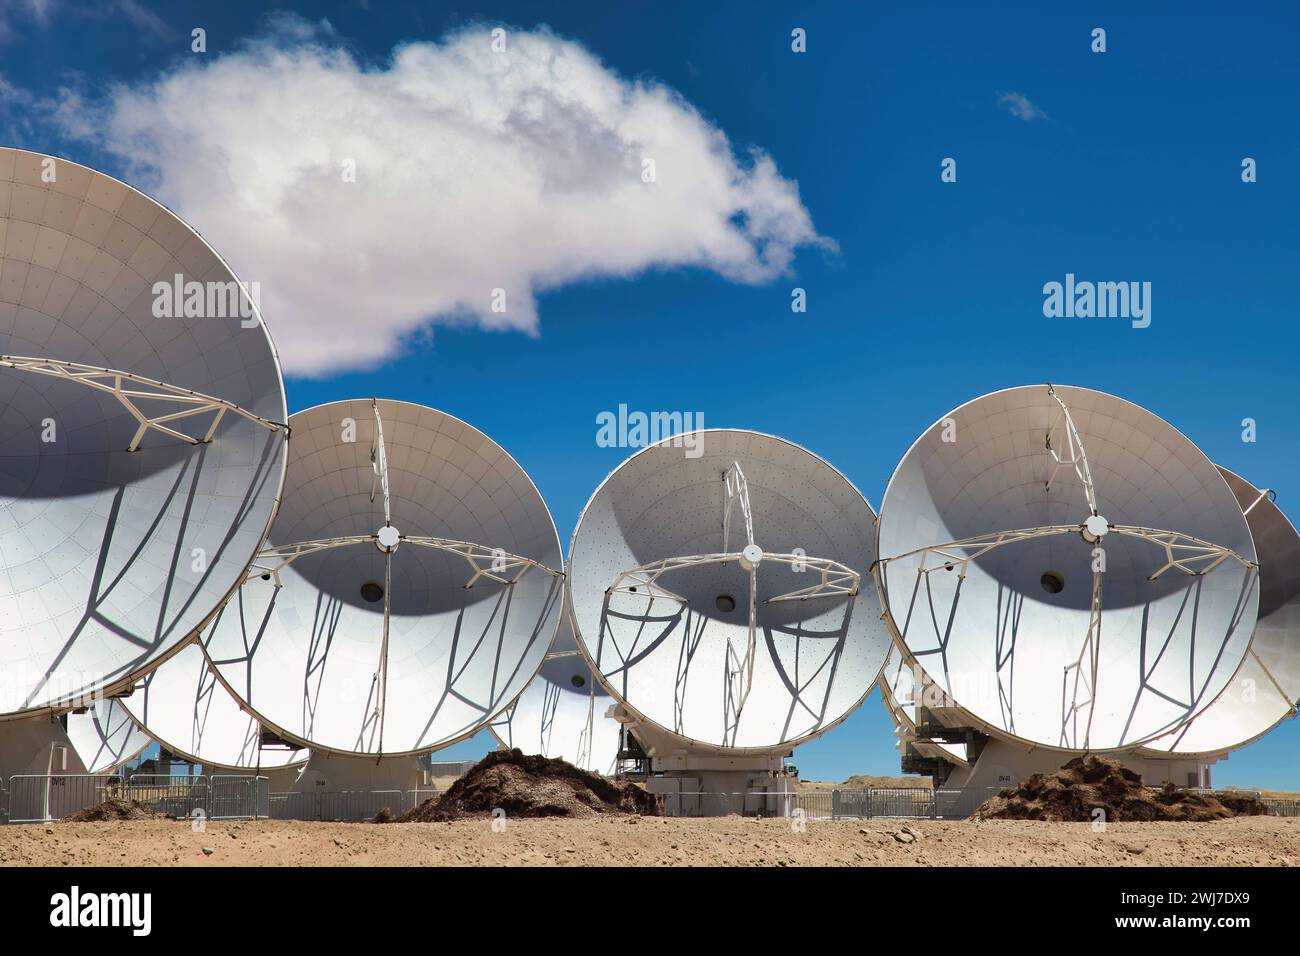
532 786
115 808
1072 793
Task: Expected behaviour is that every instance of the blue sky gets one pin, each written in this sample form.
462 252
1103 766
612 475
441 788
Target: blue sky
1132 172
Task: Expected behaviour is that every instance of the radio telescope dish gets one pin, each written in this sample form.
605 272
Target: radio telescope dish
409 590
562 712
723 597
898 689
1266 687
105 736
185 708
141 457
1068 567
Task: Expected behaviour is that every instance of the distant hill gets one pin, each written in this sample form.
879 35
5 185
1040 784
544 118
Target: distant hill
864 781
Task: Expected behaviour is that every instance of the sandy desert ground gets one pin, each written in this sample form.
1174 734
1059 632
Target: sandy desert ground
646 841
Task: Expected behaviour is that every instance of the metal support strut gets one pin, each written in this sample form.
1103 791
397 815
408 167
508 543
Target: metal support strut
118 384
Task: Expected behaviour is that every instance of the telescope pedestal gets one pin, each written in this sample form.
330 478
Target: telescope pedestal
699 781
329 772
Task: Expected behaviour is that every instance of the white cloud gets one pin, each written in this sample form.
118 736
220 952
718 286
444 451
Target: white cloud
1019 105
476 170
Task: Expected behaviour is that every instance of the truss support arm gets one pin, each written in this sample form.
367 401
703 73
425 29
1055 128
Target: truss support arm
1085 669
383 647
736 494
501 566
271 561
129 389
1190 555
379 463
946 555
491 563
834 578
1074 455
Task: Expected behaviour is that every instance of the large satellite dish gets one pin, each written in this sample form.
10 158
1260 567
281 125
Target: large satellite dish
140 456
720 591
1068 567
1266 687
185 708
563 711
409 590
105 737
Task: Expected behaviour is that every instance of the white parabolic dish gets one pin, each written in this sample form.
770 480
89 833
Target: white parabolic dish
374 484
660 576
185 708
987 538
112 558
561 712
105 736
1266 687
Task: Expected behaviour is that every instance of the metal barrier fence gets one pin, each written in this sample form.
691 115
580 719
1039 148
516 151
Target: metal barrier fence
700 803
905 802
343 806
413 798
42 799
38 798
34 798
960 804
232 797
909 802
177 796
1281 806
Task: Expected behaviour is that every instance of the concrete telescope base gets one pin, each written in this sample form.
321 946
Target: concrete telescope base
37 745
1003 764
722 793
702 781
328 772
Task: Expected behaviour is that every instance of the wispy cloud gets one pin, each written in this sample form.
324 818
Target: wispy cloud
15 12
143 18
40 14
1020 106
475 171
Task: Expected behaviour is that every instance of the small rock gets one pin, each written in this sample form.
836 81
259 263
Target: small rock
902 836
207 851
